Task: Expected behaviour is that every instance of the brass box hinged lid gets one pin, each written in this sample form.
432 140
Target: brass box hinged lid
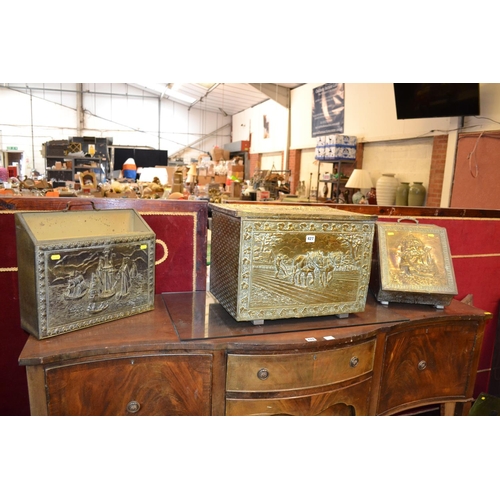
80 268
289 212
412 264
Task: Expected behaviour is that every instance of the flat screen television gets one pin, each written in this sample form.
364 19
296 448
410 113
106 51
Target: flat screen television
142 157
436 100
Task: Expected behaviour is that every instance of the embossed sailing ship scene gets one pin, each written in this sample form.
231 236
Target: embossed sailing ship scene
85 283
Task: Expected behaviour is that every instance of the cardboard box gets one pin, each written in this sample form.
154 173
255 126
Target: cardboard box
235 190
219 154
340 147
238 171
238 146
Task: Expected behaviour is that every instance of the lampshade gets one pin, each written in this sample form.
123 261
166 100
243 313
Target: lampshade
359 179
149 173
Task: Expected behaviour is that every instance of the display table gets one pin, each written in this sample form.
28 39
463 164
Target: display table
190 357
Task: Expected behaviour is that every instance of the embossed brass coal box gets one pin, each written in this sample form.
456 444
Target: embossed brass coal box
412 264
289 261
81 268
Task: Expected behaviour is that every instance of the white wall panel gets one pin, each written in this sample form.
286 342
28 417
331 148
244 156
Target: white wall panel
410 160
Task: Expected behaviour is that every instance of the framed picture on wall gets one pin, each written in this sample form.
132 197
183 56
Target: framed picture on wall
328 109
266 127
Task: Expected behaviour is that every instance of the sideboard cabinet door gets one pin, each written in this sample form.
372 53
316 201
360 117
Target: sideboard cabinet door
427 364
170 384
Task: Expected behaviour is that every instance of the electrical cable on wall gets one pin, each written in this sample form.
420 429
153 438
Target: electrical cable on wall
473 154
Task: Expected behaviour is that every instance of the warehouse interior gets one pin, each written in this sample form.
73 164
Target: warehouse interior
455 158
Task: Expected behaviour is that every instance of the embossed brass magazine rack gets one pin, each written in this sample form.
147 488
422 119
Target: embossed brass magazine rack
412 264
280 261
80 268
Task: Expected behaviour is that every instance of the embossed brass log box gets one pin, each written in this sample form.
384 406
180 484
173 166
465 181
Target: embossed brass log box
81 268
279 261
412 264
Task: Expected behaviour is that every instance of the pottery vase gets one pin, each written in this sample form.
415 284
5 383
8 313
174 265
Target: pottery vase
386 189
372 196
170 175
402 193
356 197
416 195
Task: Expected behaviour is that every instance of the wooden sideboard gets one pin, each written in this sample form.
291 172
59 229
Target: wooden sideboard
189 357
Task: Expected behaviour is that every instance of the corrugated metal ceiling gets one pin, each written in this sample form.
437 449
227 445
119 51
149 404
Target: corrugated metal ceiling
226 98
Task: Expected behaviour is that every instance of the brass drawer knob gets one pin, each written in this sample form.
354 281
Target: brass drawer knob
422 365
133 407
263 374
354 362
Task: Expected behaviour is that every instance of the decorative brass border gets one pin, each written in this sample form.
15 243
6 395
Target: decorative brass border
363 230
75 324
429 286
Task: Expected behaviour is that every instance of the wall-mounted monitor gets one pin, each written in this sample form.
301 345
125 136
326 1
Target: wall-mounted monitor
143 157
436 100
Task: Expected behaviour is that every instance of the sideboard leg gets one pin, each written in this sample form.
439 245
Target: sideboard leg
448 409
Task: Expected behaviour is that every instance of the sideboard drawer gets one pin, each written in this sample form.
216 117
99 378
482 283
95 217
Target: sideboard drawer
344 401
282 372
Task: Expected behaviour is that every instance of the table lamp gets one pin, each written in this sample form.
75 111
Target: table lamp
359 179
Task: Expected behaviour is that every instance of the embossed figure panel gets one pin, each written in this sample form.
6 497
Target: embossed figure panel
291 262
75 283
414 264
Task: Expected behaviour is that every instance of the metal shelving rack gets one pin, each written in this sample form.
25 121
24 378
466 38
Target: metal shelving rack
336 181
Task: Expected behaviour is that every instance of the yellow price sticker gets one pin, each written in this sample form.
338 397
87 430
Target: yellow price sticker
56 256
143 247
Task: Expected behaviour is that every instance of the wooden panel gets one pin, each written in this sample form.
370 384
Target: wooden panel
352 400
162 385
298 371
476 179
427 363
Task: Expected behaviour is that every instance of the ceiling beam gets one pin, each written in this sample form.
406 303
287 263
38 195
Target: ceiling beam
212 88
197 141
275 92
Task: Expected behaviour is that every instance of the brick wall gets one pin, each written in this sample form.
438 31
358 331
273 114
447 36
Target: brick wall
294 156
254 159
360 148
436 177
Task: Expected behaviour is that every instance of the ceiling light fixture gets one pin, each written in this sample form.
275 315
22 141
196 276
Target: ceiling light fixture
163 89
